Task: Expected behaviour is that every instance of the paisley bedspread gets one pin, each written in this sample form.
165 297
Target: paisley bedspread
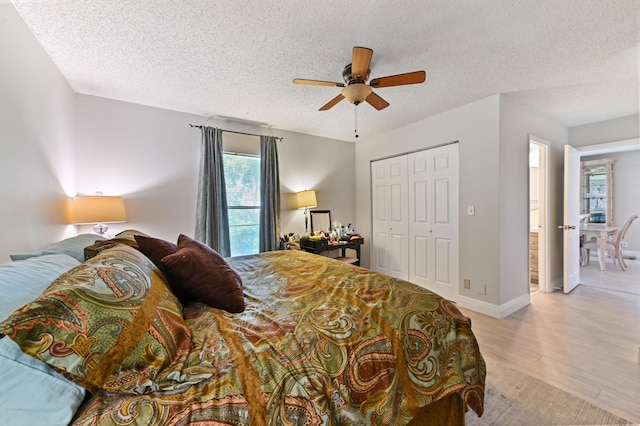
320 342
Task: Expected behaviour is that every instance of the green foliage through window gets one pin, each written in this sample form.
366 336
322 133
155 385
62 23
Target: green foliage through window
242 179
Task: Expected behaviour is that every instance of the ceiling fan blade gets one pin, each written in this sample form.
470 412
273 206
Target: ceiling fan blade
331 103
360 61
376 101
317 82
399 80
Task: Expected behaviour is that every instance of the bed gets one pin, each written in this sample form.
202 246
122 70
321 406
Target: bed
317 342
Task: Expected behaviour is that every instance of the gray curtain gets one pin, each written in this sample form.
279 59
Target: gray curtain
212 218
269 194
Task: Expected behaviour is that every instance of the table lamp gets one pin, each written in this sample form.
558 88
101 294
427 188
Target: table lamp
306 200
98 209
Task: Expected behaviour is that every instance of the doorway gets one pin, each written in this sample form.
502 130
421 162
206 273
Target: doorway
571 268
538 215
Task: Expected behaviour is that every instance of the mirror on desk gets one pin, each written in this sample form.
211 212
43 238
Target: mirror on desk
320 220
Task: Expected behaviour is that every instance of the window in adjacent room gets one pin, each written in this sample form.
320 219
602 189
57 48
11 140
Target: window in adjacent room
242 179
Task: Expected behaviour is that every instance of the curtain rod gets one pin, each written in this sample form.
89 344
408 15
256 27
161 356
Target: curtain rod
233 131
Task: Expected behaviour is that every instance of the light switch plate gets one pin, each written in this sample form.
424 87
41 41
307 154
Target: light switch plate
471 210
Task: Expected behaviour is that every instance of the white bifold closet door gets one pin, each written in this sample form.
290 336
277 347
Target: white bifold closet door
415 218
390 218
433 219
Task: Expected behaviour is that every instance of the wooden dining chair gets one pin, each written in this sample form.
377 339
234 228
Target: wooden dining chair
615 247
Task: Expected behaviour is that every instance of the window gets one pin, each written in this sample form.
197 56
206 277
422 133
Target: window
242 179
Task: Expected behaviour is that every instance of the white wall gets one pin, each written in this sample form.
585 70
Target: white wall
150 156
517 123
36 139
324 165
605 131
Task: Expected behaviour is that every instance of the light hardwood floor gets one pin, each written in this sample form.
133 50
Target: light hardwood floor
613 277
586 343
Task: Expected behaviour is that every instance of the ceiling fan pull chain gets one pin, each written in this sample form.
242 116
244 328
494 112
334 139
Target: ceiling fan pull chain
355 107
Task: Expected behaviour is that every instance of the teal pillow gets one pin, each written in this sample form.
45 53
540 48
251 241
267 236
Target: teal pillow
31 392
22 256
25 280
73 246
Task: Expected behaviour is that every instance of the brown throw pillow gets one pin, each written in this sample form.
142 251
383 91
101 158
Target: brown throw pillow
200 272
155 249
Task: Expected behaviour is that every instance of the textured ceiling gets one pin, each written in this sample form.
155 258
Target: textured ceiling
575 60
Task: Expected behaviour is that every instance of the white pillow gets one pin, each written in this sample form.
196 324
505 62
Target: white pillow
31 392
25 280
73 246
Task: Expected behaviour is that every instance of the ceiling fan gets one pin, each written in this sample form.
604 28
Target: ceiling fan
355 76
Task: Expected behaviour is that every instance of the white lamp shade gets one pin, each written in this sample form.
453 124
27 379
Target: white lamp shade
96 209
307 199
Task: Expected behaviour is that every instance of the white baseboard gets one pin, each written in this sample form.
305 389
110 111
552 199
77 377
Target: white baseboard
496 311
506 309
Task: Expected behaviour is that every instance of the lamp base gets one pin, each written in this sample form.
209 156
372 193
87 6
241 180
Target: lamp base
306 222
100 229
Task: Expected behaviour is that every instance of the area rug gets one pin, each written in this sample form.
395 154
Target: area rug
515 398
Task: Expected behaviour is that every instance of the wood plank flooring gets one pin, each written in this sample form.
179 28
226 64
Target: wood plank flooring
586 343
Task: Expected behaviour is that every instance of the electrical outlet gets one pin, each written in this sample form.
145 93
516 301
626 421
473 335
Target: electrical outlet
467 283
483 288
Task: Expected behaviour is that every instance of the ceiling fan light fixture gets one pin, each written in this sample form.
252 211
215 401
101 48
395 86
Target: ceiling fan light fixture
357 92
355 76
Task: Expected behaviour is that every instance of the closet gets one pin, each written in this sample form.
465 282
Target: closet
415 218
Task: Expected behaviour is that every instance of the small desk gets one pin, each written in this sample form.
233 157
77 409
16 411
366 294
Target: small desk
603 232
323 245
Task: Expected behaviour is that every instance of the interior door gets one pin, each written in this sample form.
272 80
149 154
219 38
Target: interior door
433 219
571 225
389 204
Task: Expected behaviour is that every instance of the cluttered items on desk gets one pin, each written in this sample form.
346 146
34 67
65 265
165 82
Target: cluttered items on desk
290 241
323 227
327 236
337 239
